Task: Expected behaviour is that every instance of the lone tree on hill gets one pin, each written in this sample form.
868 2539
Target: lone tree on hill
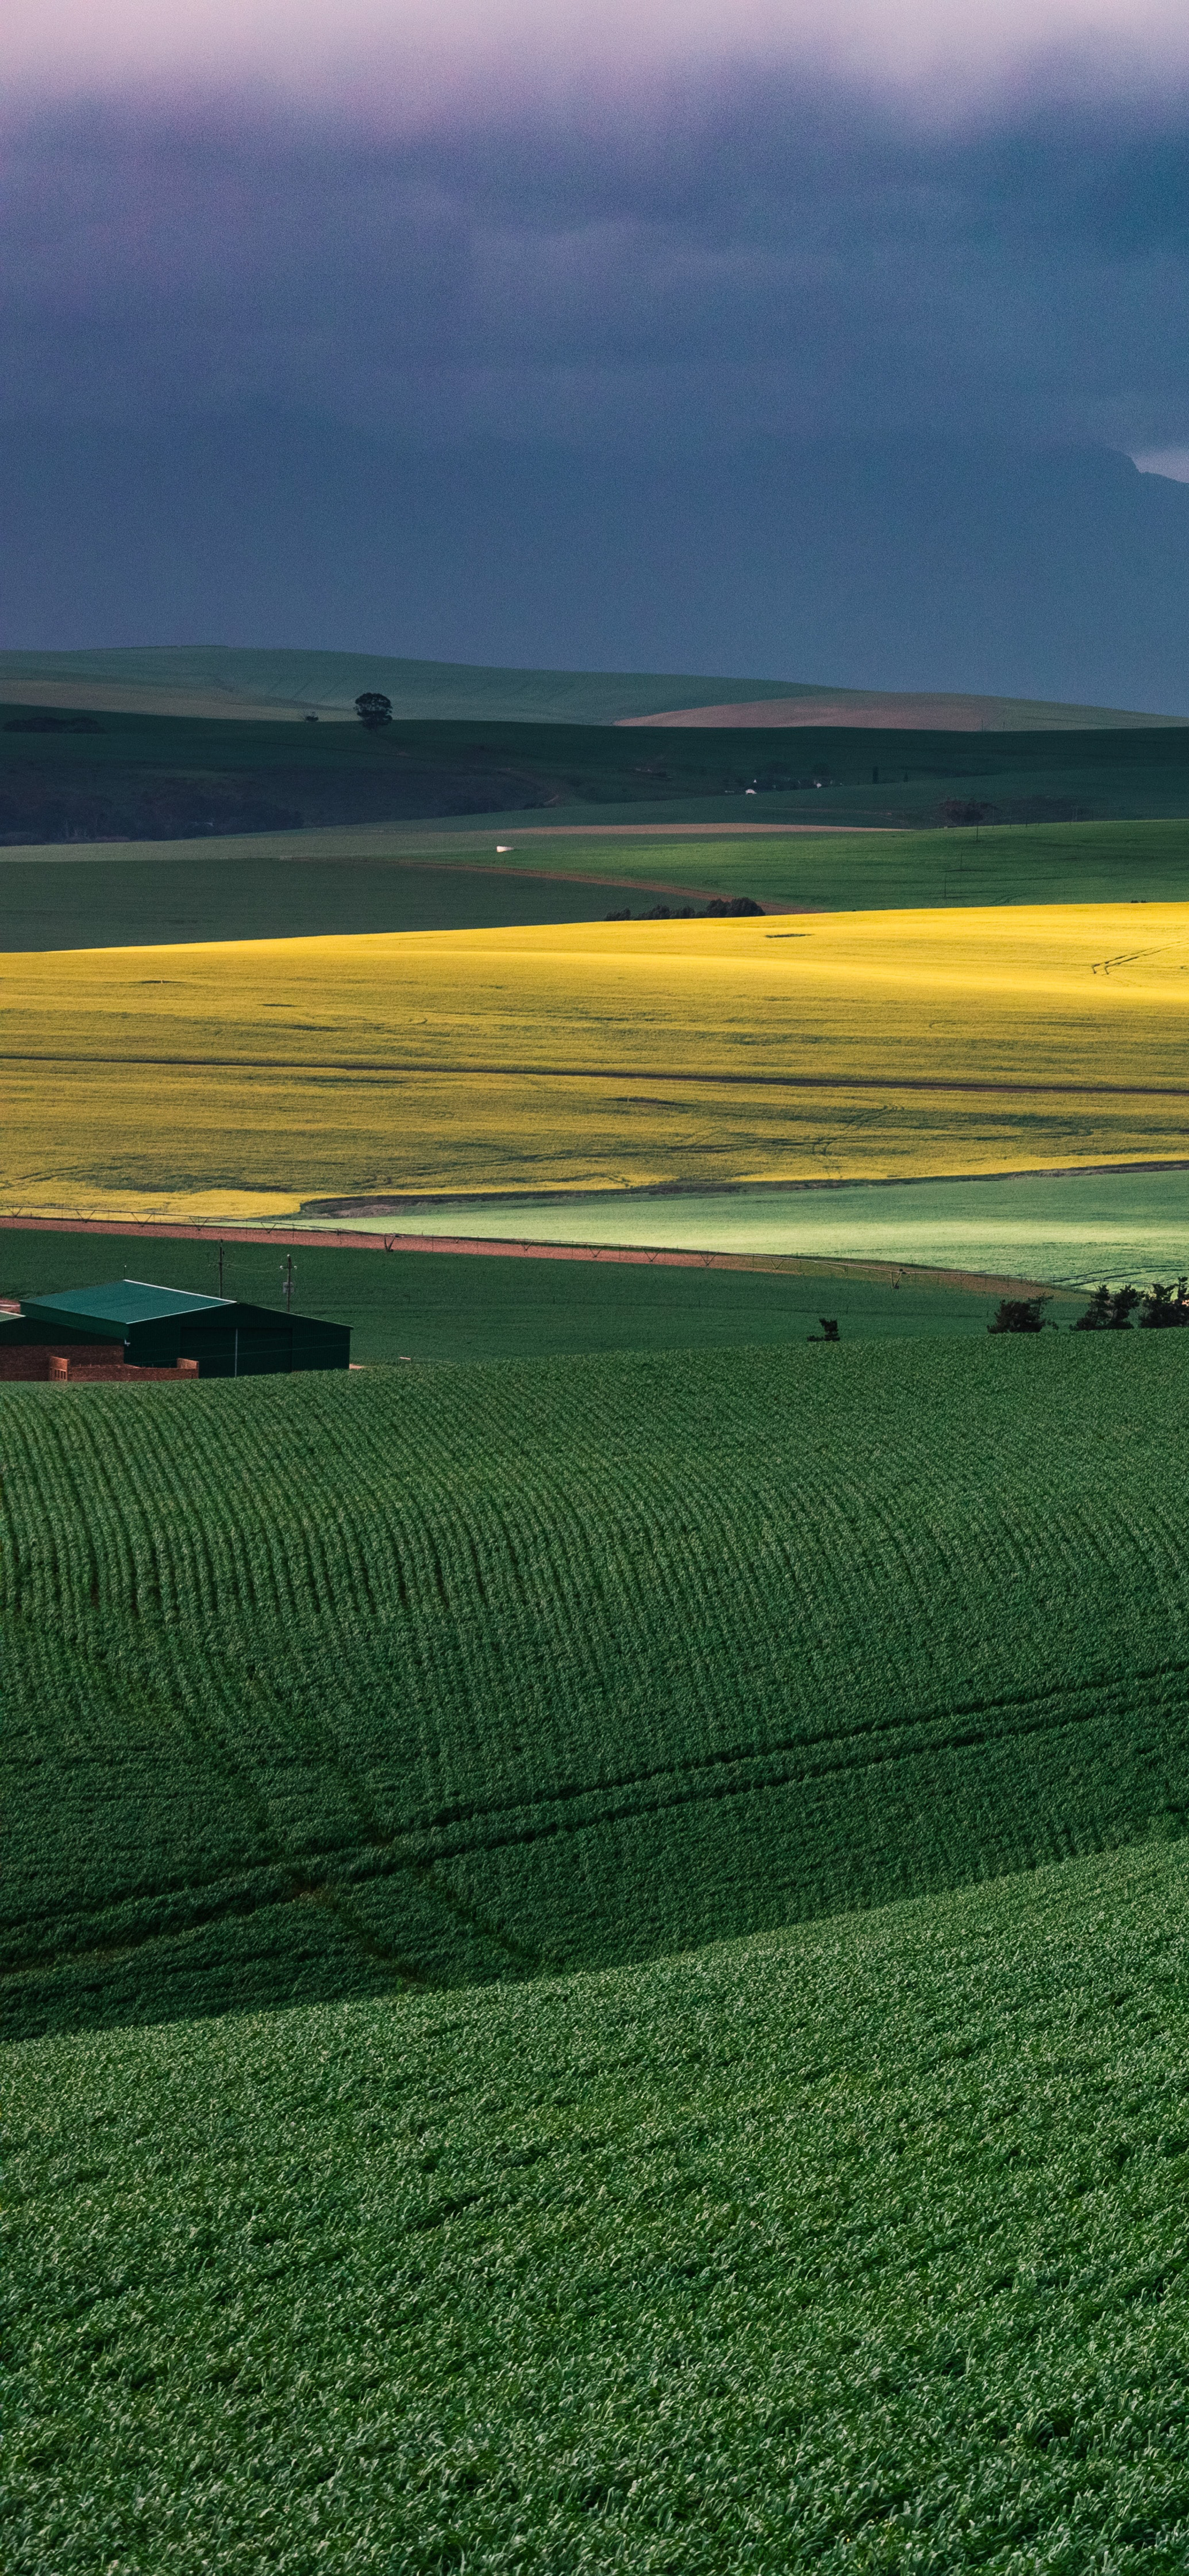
963 809
373 709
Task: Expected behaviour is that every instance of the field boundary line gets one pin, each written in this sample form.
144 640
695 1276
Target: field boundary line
779 1265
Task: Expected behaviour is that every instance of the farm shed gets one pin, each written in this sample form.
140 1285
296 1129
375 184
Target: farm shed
144 1326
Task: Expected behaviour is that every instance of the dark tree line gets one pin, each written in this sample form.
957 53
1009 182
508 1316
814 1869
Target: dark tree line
720 907
1110 1310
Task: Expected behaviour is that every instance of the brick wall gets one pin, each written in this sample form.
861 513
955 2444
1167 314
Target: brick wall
91 1364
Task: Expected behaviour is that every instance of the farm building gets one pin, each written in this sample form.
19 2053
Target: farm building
130 1323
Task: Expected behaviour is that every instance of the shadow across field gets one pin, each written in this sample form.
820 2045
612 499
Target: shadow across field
107 775
389 876
128 904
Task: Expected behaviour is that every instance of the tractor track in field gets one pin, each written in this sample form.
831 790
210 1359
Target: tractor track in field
717 1080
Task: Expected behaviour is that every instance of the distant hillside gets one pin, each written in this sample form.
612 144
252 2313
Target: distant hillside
233 680
223 680
898 711
122 775
988 570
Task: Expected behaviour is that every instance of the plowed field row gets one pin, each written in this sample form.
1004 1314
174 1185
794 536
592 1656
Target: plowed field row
464 1673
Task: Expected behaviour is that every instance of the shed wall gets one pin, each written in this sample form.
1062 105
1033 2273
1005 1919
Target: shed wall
228 1341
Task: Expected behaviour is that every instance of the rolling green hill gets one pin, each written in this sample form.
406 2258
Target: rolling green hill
406 2167
325 1687
214 679
858 2247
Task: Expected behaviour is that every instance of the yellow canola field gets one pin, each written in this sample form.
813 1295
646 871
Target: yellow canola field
252 1076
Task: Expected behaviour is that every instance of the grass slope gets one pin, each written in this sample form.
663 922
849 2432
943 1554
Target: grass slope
212 678
401 877
79 904
334 1687
458 1307
218 680
855 2248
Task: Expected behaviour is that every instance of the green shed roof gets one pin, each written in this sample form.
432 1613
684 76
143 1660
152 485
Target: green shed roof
119 1301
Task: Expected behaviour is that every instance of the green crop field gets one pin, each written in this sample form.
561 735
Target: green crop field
339 1686
597 1965
855 2248
384 877
1071 1228
476 1306
105 902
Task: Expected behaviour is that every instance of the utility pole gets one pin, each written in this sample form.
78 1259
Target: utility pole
287 1278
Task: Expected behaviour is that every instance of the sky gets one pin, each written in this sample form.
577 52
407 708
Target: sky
646 231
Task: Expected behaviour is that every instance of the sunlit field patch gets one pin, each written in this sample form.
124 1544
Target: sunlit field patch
254 1075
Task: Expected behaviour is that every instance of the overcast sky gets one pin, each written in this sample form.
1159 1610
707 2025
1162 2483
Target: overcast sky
784 337
648 224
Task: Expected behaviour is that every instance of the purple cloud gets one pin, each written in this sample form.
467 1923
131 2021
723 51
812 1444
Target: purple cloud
389 68
767 258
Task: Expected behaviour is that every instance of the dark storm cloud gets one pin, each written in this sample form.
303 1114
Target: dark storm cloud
773 258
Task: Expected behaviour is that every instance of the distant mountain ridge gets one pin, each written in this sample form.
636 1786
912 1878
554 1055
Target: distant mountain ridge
236 680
